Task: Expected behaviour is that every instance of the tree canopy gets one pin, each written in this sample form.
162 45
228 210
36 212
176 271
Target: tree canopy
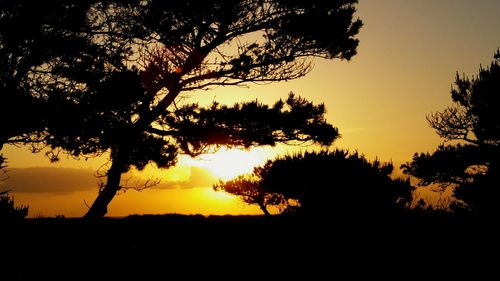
470 127
323 184
38 42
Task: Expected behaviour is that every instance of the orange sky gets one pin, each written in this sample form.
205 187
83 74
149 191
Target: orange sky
408 55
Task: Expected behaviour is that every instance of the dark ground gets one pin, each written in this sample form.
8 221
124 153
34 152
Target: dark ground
174 247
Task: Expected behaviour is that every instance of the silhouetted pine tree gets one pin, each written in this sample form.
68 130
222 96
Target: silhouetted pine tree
469 158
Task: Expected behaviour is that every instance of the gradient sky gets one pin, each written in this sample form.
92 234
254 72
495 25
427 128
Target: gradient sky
409 53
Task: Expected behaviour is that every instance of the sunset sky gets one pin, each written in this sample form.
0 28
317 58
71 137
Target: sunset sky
407 59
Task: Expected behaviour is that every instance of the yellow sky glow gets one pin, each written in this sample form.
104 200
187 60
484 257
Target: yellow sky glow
229 163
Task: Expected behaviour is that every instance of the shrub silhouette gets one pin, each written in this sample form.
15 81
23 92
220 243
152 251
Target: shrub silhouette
9 212
323 183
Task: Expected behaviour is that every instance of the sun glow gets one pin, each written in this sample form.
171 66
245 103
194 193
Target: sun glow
229 163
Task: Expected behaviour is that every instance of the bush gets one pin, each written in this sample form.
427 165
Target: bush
325 183
9 212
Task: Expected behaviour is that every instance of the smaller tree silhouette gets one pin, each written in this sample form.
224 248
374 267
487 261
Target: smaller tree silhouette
470 127
9 212
249 190
323 183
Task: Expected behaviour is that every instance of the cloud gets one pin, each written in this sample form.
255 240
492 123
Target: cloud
199 177
49 180
355 130
67 180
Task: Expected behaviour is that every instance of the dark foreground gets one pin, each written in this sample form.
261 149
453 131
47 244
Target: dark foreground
174 247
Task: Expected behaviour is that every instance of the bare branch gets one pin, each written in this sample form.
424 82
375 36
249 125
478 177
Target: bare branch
453 123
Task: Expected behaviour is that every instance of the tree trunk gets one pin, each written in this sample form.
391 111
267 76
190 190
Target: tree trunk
264 209
100 206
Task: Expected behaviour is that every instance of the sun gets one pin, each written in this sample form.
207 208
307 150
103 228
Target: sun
229 163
